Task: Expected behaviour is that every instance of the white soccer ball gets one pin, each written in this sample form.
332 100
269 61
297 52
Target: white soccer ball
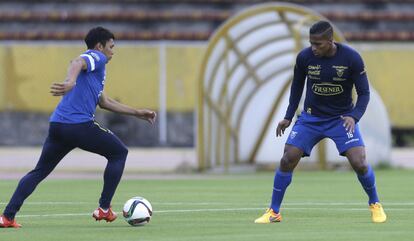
137 211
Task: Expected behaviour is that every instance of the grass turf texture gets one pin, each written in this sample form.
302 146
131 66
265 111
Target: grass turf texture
317 206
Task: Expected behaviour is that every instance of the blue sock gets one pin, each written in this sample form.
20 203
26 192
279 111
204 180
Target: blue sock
281 182
368 183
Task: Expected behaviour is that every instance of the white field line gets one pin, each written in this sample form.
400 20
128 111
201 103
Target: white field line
221 210
50 203
223 203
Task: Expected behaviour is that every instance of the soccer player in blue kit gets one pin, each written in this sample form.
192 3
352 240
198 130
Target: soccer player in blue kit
331 70
72 125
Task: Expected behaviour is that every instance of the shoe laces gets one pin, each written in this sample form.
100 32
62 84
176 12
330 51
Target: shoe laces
271 211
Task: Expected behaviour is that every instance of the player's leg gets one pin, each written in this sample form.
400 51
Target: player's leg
282 179
366 176
352 146
53 151
301 140
283 176
103 142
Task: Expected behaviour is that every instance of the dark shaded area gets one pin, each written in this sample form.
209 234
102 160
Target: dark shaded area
403 137
30 129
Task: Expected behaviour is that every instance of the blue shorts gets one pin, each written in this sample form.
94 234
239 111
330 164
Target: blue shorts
309 130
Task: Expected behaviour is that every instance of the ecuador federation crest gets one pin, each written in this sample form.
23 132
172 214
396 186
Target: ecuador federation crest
340 70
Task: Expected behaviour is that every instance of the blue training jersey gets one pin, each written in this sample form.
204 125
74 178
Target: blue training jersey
79 104
330 81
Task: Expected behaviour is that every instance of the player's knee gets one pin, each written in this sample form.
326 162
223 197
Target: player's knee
359 163
362 169
120 154
36 175
287 164
290 159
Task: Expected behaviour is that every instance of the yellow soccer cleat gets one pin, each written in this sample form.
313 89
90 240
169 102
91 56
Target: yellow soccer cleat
269 217
377 213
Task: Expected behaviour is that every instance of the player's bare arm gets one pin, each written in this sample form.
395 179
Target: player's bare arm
281 127
110 104
75 67
349 123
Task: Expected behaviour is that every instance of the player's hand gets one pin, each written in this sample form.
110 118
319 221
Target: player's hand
147 115
349 123
281 127
59 89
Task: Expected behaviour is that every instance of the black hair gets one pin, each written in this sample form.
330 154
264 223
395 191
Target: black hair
321 28
98 35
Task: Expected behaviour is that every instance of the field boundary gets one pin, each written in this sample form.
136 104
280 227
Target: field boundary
141 163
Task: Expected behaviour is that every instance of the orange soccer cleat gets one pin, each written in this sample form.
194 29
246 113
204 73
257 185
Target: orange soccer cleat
100 214
7 223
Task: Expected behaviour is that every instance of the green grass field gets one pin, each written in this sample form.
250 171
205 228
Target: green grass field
317 206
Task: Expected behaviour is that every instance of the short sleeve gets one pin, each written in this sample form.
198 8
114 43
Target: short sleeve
94 60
